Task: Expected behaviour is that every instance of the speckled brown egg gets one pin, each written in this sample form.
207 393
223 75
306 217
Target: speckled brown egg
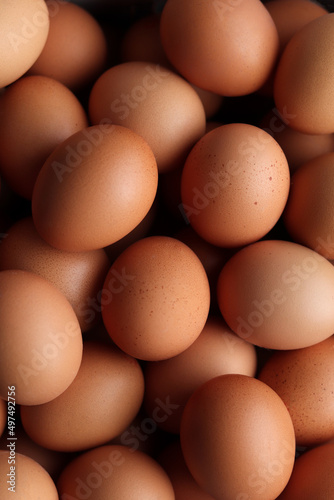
75 52
115 472
101 402
24 28
237 439
40 338
36 114
94 188
228 48
156 298
309 212
303 378
156 103
303 80
235 184
215 352
26 477
278 295
78 275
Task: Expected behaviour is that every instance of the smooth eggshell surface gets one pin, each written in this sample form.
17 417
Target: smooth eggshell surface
24 27
29 480
156 103
309 213
215 352
278 295
115 472
94 188
36 114
304 379
238 439
78 275
40 338
235 184
3 415
228 48
101 402
156 298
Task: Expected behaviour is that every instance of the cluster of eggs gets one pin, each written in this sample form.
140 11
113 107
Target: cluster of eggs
166 268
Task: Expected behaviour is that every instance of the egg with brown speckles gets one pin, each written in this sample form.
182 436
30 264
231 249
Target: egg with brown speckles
235 184
156 298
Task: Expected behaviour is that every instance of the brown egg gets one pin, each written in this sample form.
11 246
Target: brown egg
298 147
24 28
154 102
238 439
278 295
312 476
185 486
75 52
228 48
309 213
215 352
101 402
36 114
24 478
303 80
114 472
156 298
303 378
3 415
235 185
40 338
94 188
78 275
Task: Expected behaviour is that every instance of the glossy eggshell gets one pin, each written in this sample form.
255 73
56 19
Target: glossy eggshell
101 402
36 114
309 213
75 52
154 102
235 184
24 28
78 275
185 486
115 472
156 298
303 80
30 479
94 188
278 295
40 338
238 439
304 379
312 476
229 49
215 352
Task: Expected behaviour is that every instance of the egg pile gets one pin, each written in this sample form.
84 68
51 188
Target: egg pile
167 250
